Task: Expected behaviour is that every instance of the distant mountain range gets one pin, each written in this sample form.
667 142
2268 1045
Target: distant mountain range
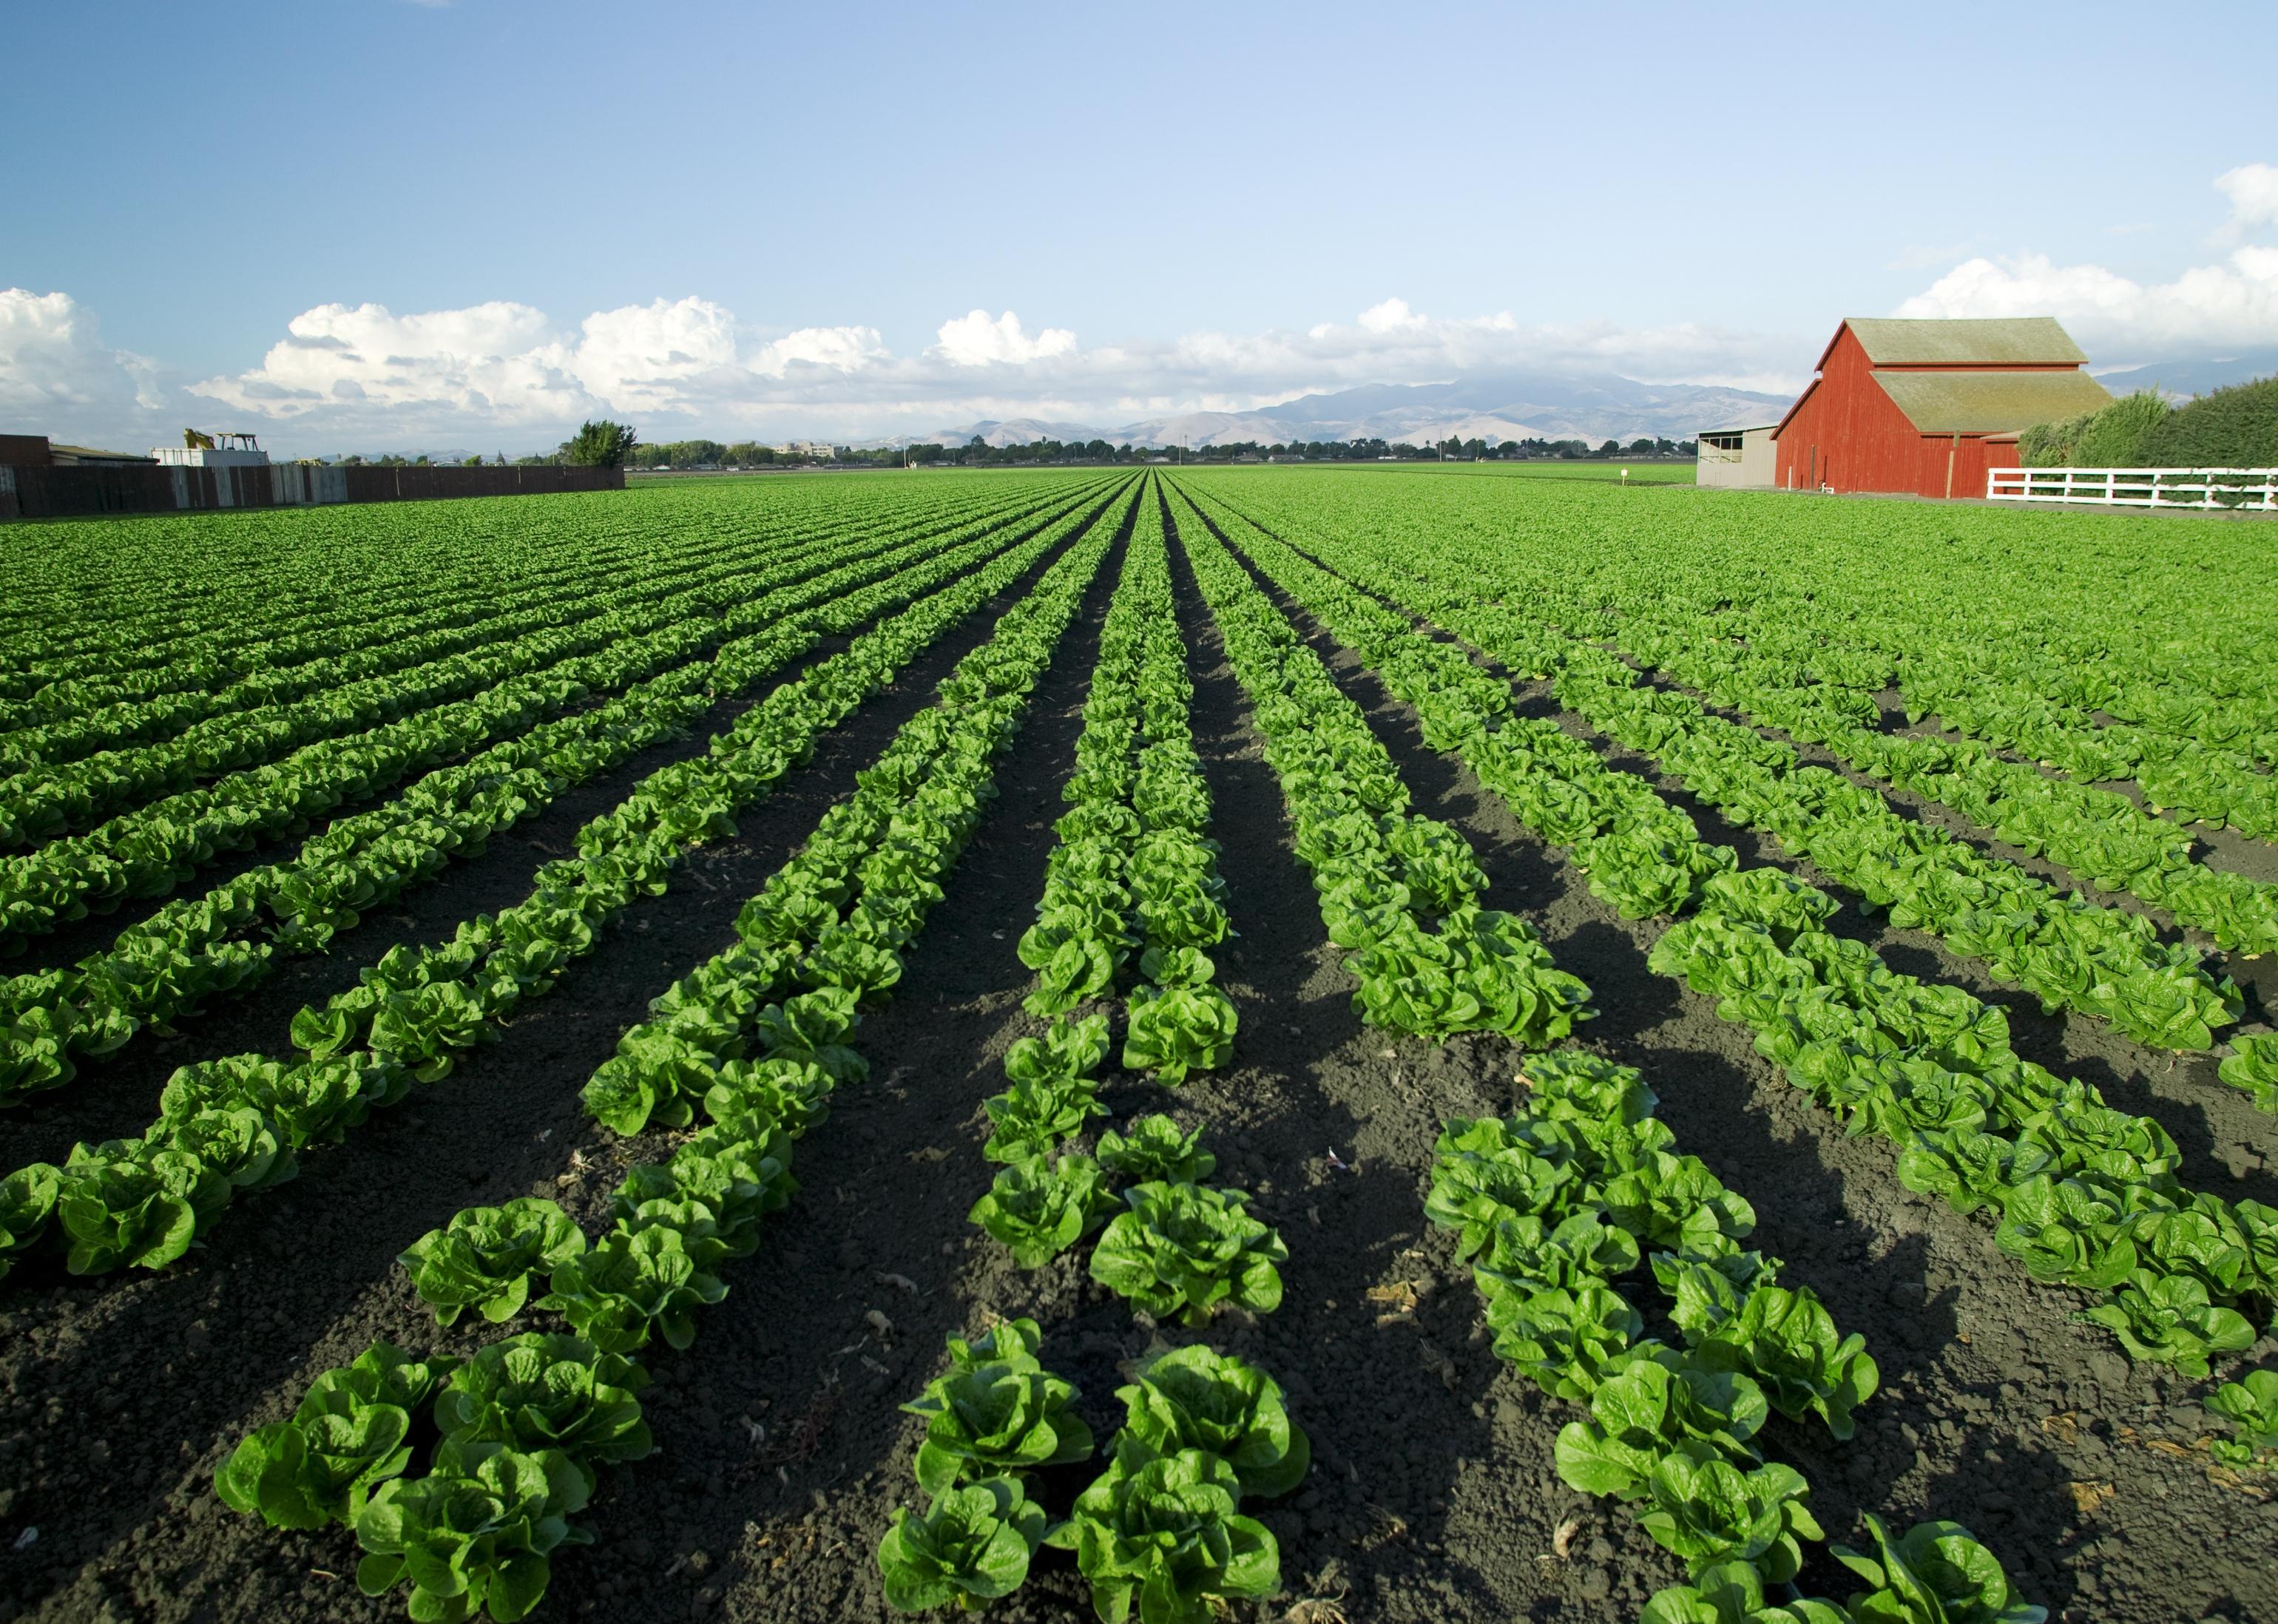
2183 379
1525 406
1511 406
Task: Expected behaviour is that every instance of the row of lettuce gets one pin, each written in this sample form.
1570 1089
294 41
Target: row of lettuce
755 1037
1557 1208
1132 873
239 1124
2085 1195
1555 1205
165 968
239 771
181 804
263 607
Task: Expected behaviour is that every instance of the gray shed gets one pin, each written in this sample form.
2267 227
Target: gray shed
1737 459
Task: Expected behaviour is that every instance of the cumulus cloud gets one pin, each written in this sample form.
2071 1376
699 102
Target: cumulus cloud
2252 189
973 341
648 357
497 361
1389 317
56 375
839 349
364 368
366 376
2232 302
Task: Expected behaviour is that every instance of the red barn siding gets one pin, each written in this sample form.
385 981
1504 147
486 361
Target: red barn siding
1846 432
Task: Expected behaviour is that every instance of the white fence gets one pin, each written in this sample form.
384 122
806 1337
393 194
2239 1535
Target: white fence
2255 489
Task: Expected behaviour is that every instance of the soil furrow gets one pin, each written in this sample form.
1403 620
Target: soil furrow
231 1329
1997 1410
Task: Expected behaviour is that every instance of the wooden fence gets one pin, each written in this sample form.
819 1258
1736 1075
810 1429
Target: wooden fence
2253 489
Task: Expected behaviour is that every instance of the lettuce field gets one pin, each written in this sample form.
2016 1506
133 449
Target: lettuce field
1254 1044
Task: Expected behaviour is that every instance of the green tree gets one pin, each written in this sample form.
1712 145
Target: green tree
2116 436
2236 427
599 445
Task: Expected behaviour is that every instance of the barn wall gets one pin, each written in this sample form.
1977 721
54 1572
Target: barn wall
1979 455
1849 434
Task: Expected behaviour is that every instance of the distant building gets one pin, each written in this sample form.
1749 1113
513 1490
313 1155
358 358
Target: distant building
87 456
42 481
245 453
1737 459
1927 407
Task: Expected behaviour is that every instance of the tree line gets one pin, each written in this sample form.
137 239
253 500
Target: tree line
708 454
2237 427
613 444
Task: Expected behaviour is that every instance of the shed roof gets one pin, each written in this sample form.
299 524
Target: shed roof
89 453
1990 402
2018 341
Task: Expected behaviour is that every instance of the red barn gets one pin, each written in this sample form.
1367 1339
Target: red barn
1927 407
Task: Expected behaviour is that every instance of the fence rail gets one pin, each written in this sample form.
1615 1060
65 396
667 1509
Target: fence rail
2253 489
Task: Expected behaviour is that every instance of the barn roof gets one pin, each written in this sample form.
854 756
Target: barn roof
2008 342
1990 402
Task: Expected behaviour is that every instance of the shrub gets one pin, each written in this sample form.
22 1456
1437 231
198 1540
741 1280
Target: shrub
2229 428
2116 436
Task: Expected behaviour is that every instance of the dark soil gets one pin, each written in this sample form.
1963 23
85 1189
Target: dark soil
1997 1410
782 1455
117 1096
73 941
178 1366
2226 1141
2225 850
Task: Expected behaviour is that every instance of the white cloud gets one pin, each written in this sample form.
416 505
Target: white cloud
1389 317
973 341
2252 189
646 357
2234 302
2208 306
364 368
364 376
58 378
843 349
496 361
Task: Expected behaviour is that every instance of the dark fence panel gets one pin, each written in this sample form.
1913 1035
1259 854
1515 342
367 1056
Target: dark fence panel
419 484
46 492
64 493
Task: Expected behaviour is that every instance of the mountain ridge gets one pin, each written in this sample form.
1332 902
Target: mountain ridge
1594 406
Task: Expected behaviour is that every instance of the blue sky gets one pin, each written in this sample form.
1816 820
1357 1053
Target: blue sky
816 219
